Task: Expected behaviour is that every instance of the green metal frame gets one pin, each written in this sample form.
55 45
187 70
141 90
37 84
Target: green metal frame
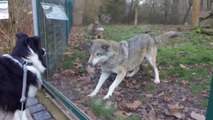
67 103
209 115
51 89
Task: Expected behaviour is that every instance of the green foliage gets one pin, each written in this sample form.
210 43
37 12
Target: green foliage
149 88
119 33
197 88
132 117
190 50
69 61
114 8
101 109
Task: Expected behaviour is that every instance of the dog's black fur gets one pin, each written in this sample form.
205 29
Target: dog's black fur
11 72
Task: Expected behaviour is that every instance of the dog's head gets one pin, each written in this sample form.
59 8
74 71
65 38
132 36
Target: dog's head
100 51
29 48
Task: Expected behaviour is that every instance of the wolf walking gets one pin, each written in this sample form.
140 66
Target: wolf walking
125 57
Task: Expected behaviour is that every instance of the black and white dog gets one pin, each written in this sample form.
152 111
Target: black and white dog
28 52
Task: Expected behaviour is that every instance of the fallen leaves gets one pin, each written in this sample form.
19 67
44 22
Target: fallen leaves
149 115
135 105
184 82
176 111
132 98
132 84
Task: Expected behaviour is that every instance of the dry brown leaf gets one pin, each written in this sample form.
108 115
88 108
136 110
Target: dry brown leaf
121 113
167 98
152 115
132 84
176 111
90 69
136 104
183 66
205 93
175 107
160 94
149 95
184 82
197 116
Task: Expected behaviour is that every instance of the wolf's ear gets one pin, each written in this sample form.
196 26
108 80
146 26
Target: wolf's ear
105 46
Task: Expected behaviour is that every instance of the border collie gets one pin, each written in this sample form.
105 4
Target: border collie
28 52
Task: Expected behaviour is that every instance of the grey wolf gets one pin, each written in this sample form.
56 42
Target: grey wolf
95 30
27 51
124 58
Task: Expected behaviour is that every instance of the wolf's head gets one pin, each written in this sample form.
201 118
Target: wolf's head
29 49
100 51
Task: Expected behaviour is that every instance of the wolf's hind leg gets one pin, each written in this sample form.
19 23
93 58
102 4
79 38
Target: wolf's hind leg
133 72
152 61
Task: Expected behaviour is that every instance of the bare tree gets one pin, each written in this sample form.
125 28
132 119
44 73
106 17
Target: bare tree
136 8
166 8
187 12
175 14
209 2
195 13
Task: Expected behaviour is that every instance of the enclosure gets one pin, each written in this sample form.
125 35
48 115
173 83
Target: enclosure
185 63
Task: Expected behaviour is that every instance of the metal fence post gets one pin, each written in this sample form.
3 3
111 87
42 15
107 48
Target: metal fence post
35 17
209 115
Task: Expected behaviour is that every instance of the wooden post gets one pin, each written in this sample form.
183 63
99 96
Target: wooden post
195 13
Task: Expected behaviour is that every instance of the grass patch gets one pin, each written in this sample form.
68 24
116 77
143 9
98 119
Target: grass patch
199 87
102 110
107 112
148 88
204 103
77 57
190 50
132 117
118 33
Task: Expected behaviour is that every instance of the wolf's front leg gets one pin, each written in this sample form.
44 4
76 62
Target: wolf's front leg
102 79
118 79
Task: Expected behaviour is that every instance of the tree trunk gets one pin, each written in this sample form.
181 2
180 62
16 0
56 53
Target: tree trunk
175 12
152 12
195 13
209 2
187 12
166 8
136 12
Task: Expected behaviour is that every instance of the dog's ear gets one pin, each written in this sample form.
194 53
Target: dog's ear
21 36
105 46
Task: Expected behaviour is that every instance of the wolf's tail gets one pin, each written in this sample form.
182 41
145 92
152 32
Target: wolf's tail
166 36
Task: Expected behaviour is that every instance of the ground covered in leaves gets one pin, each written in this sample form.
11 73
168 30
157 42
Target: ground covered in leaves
182 94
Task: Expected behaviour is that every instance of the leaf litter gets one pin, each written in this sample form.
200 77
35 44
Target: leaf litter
166 102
